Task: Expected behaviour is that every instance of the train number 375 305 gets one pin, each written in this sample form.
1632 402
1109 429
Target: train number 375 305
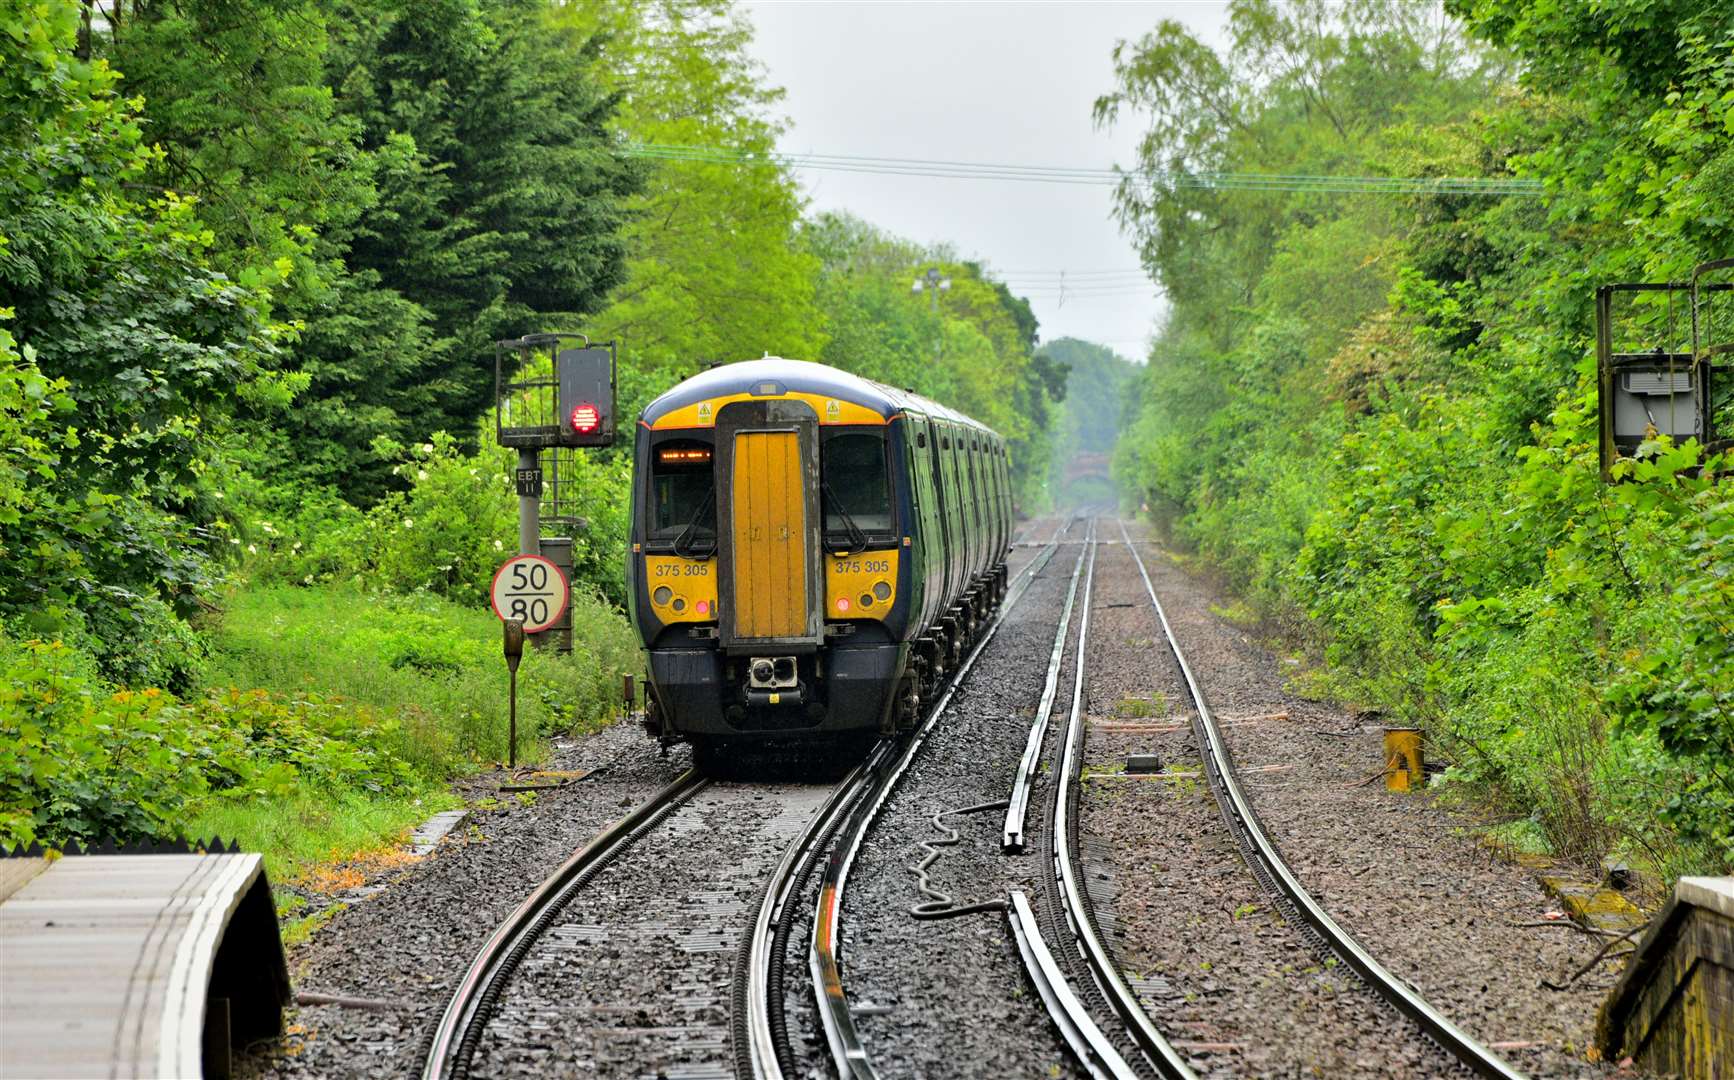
682 570
859 566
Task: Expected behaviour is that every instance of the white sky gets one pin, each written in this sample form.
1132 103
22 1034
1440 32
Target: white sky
1002 83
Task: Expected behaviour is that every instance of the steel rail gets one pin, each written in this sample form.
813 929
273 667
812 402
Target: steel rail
1101 968
1092 1048
1012 839
454 1037
753 995
1267 862
824 958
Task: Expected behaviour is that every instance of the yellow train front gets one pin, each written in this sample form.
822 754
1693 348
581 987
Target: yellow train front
812 552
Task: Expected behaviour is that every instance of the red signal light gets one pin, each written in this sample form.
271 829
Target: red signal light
586 418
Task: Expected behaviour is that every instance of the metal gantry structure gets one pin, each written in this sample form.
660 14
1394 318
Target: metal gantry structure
1669 381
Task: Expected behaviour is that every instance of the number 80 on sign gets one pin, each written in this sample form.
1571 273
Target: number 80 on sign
531 590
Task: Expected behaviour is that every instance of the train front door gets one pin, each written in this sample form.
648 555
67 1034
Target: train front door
769 524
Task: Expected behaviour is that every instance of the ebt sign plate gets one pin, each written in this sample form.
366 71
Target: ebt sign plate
531 590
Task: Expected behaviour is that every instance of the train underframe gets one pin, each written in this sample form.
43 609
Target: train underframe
861 682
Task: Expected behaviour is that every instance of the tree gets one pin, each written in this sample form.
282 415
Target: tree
714 273
502 210
125 357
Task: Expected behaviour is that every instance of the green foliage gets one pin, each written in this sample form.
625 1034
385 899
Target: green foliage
506 213
972 349
1380 414
1097 383
125 356
78 762
432 665
712 272
431 177
445 534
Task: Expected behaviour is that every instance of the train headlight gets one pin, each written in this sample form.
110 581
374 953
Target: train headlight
662 594
882 590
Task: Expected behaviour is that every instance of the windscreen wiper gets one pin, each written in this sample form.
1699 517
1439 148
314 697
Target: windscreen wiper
687 535
857 538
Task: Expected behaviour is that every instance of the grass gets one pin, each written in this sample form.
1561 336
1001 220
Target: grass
1524 836
433 670
434 665
300 831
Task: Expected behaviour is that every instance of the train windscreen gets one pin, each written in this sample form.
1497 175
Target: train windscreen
682 484
857 482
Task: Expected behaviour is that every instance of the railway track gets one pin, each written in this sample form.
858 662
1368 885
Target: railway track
1072 969
1096 1012
1064 954
757 1028
451 1046
825 960
1279 880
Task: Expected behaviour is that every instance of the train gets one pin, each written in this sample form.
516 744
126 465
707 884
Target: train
812 553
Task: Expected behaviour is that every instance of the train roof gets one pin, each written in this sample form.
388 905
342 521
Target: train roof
799 377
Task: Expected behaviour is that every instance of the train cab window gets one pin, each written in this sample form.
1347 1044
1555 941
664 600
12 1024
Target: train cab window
683 483
857 485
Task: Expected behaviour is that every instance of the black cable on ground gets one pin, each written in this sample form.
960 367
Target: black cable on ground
940 905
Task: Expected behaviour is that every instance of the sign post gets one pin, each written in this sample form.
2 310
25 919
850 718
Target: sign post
529 593
529 589
514 648
554 396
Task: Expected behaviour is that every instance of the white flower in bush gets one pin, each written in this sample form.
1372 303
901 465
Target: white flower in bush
409 523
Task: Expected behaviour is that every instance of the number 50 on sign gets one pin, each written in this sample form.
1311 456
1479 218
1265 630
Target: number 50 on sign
531 590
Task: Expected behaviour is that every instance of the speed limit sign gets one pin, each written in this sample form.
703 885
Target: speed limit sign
531 590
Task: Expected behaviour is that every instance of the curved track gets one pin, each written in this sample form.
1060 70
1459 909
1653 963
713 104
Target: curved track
825 962
452 1043
1273 871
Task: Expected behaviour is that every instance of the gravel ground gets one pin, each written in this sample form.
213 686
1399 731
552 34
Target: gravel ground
411 942
1233 988
947 998
1397 870
636 978
406 944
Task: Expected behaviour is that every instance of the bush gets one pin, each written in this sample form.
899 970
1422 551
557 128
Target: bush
79 761
444 532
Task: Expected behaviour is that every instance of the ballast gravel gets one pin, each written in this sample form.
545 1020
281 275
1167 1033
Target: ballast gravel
1231 986
406 946
947 998
1401 872
635 986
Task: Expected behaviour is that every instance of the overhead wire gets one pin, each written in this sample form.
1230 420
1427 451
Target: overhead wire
1054 174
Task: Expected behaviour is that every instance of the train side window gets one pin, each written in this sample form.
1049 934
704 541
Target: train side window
921 439
857 482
